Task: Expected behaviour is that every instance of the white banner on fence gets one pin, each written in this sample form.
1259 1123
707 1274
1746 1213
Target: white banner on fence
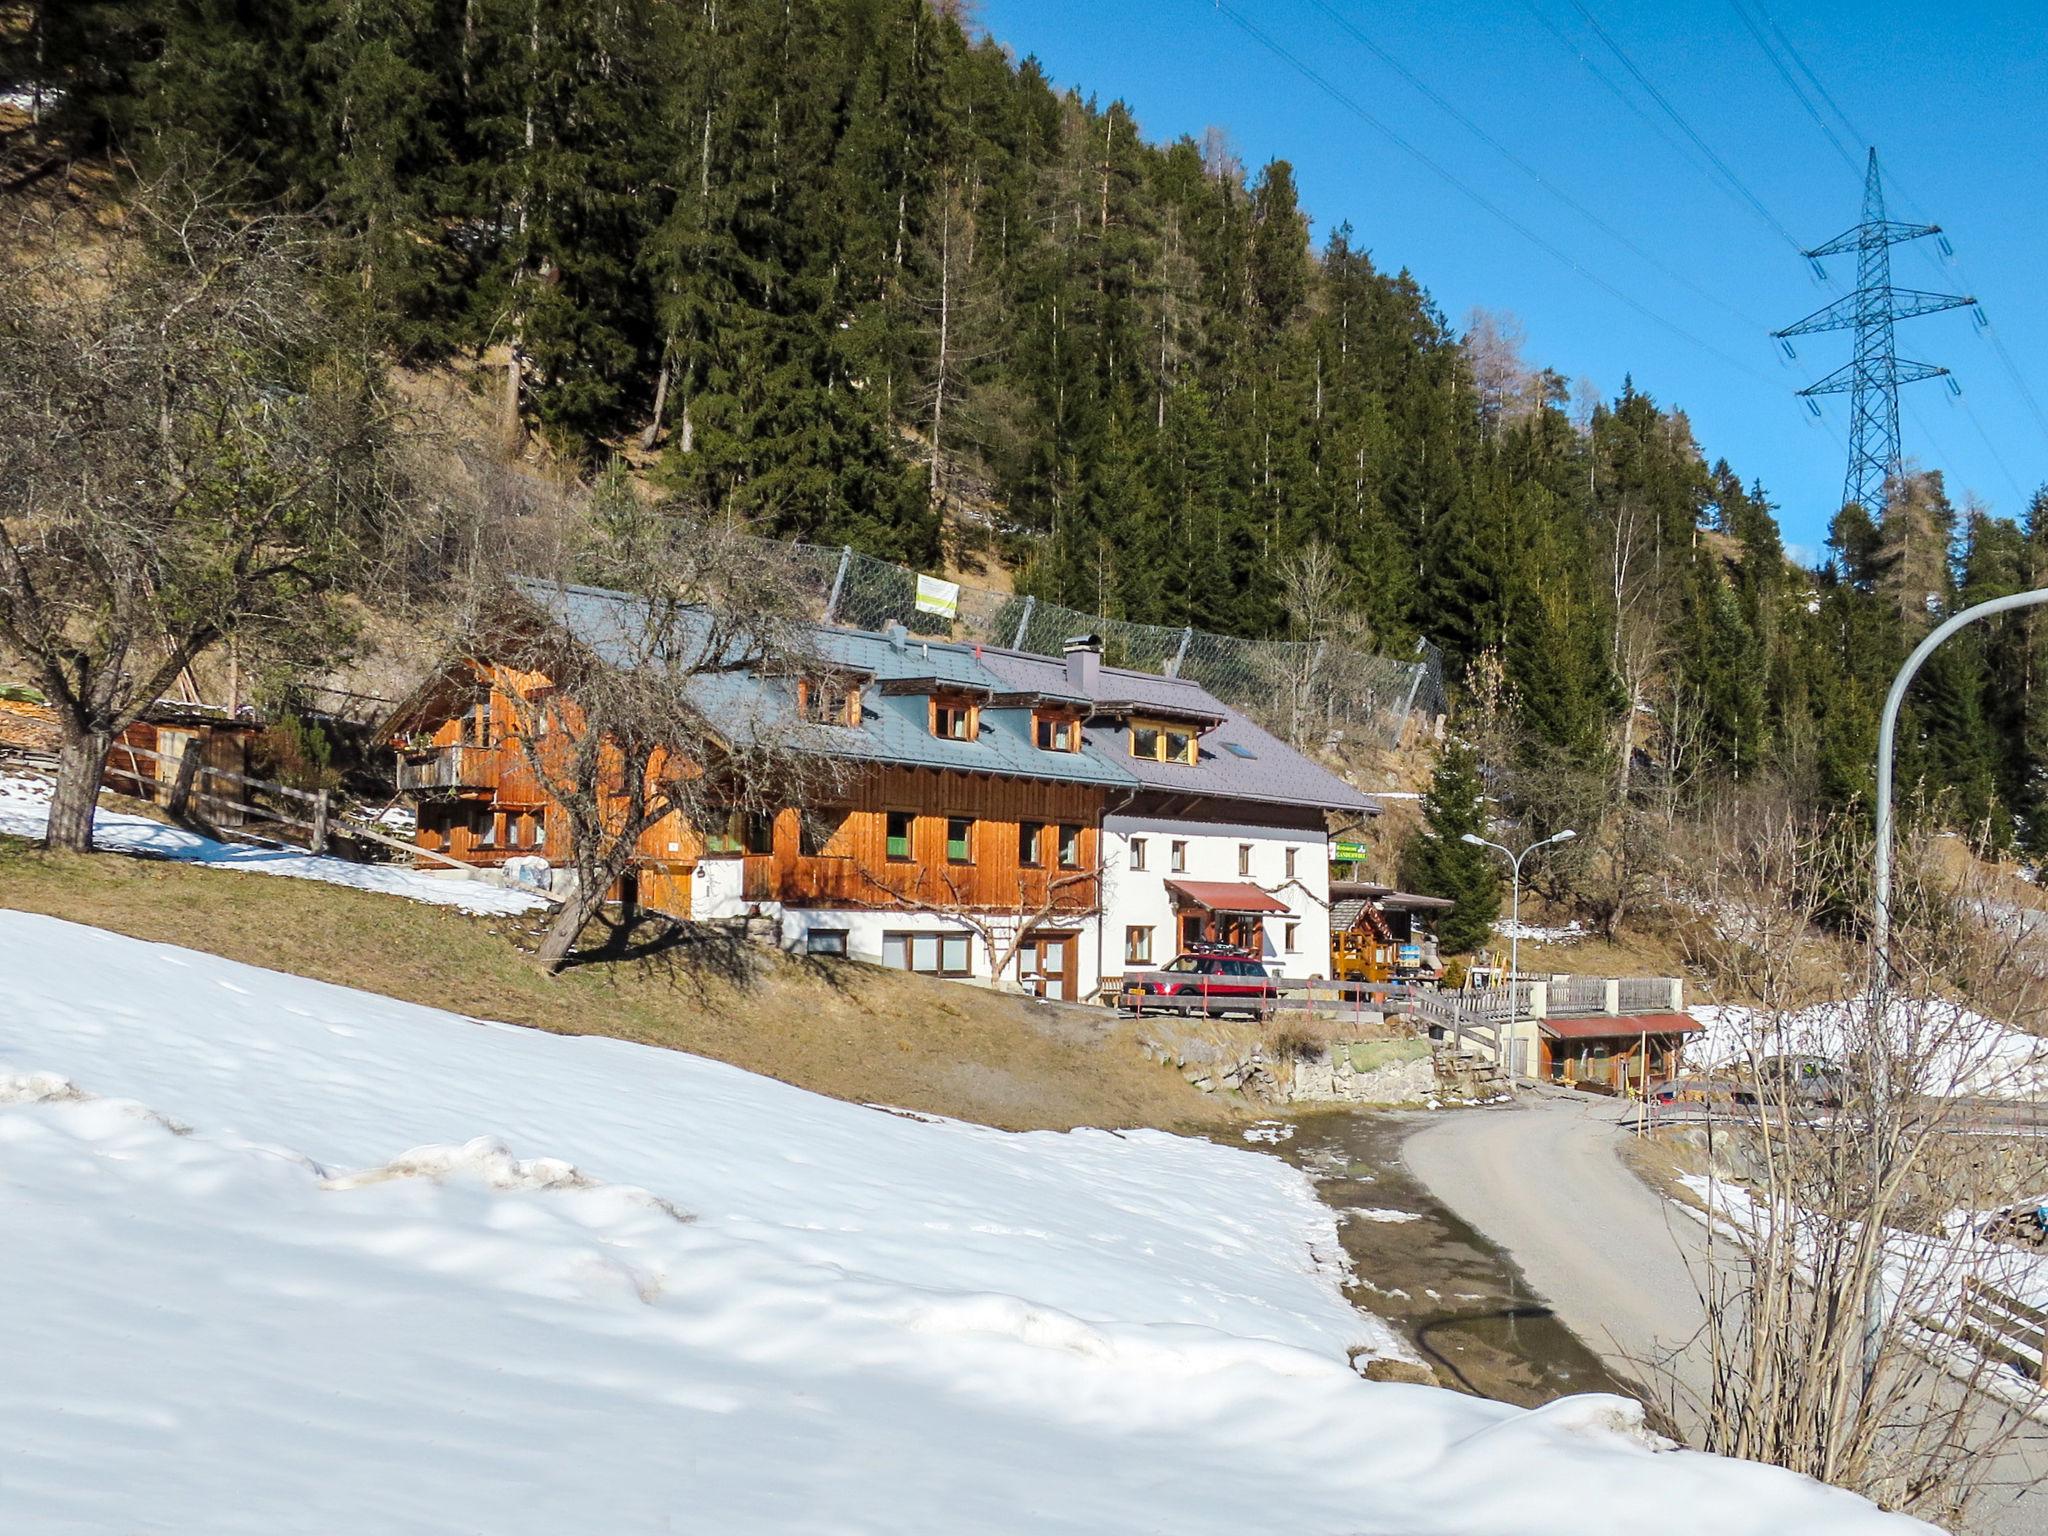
939 597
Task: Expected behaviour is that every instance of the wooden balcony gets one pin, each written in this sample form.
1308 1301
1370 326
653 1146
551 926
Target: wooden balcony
448 769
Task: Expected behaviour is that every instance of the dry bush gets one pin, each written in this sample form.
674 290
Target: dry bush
1834 1283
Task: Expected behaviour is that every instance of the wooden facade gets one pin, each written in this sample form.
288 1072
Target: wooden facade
1027 844
900 838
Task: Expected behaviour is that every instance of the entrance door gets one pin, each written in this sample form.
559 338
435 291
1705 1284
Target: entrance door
1047 961
172 745
665 887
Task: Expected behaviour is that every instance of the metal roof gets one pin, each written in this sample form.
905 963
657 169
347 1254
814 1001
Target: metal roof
1227 895
1264 768
895 726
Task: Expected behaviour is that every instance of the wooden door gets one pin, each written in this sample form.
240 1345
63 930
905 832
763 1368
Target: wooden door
1047 961
172 745
664 886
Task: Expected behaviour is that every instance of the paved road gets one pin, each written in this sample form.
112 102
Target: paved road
1544 1180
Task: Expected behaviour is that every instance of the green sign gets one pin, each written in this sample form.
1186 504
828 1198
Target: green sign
1349 853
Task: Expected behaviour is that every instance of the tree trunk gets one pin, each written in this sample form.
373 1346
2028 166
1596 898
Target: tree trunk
81 764
575 915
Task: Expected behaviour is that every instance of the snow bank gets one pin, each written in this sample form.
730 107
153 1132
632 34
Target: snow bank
1540 933
1966 1053
25 812
284 1258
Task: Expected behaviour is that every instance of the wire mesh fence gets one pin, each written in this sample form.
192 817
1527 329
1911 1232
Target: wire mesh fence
1310 693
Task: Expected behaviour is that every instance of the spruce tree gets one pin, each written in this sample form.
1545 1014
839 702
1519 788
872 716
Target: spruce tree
1438 862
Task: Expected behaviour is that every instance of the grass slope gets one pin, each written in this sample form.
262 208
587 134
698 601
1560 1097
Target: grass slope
845 1029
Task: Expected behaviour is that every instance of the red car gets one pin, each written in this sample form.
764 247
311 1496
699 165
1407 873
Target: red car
1212 981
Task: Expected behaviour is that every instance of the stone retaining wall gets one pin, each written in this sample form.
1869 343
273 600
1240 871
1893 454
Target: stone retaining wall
1219 1057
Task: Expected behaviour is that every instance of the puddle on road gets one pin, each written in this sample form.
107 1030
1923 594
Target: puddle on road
1461 1300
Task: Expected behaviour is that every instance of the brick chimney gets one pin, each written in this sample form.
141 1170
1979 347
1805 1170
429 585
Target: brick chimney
1084 664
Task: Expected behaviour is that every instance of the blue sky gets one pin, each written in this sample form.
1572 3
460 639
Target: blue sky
1951 95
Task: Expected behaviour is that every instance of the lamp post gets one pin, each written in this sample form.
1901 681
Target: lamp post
1879 1070
1515 914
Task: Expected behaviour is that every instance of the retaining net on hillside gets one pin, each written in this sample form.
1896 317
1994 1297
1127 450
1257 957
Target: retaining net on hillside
1311 693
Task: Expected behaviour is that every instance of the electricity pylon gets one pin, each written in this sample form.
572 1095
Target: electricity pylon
1873 378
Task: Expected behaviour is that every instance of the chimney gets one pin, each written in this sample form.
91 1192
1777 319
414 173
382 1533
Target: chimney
1084 664
897 636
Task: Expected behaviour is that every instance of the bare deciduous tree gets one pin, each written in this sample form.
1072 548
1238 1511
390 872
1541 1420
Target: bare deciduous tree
190 452
1837 1283
674 703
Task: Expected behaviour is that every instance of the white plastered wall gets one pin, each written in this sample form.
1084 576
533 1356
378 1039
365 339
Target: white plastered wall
1138 898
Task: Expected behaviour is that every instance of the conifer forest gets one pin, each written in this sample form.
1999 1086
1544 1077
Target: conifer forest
851 273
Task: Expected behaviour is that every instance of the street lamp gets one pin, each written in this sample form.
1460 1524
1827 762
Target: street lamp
1515 913
1881 928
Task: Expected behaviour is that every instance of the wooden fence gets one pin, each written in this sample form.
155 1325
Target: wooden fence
2005 1329
305 813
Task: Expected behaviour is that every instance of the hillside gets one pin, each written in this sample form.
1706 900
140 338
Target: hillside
848 1030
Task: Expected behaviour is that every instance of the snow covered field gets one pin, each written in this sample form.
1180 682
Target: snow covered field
282 1257
1965 1052
25 812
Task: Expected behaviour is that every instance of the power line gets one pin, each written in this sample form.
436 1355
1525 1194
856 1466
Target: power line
1350 104
1856 136
1684 127
1532 172
1792 85
1684 151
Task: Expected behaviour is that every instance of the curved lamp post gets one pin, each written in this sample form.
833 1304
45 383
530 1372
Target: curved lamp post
1881 866
1881 919
1515 913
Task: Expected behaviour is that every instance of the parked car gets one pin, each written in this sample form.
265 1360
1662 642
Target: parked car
1801 1079
1213 981
1704 1093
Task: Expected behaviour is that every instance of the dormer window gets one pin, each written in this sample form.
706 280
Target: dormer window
1056 731
1162 742
955 717
828 700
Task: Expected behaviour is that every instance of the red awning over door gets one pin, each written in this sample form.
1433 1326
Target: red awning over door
1227 896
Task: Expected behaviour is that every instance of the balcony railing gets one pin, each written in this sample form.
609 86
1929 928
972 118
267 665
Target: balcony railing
458 767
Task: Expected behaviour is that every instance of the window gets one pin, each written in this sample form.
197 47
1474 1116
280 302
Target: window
757 831
1137 853
819 834
1179 855
1244 858
825 941
1137 946
1162 742
1293 931
1239 749
900 824
486 826
1031 844
722 832
1190 929
1290 862
1057 733
828 700
955 718
1070 847
930 954
959 840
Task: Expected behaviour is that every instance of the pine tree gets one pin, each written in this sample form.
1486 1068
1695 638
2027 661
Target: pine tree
1437 862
